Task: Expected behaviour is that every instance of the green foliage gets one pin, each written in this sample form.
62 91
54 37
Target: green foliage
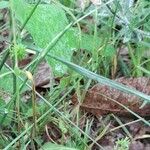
4 4
6 114
90 43
19 49
46 22
62 126
109 51
122 144
68 3
51 146
6 83
102 79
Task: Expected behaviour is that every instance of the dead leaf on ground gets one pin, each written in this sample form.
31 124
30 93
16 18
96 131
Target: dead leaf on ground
98 99
43 76
52 133
136 145
24 62
139 131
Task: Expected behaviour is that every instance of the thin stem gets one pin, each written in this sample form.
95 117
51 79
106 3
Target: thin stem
15 67
4 59
43 53
52 107
30 15
99 78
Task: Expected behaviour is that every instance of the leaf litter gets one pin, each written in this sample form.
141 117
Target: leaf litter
97 101
100 99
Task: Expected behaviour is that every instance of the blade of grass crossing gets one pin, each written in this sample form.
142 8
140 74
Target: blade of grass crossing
52 107
99 78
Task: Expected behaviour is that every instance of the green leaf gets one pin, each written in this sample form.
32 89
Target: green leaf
62 126
6 80
51 146
6 83
4 4
6 114
109 51
66 2
90 43
102 79
46 22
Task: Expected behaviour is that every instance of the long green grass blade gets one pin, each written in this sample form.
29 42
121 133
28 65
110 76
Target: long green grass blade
101 79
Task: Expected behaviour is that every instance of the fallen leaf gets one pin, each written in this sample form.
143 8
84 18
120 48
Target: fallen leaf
100 99
147 147
136 145
24 62
52 132
43 77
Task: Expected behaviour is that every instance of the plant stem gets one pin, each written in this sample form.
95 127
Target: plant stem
42 54
4 59
52 107
99 78
30 15
16 69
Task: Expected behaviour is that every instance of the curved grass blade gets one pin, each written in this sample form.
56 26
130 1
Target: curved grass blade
101 79
52 107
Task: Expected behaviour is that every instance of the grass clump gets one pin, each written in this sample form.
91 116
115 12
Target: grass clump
84 43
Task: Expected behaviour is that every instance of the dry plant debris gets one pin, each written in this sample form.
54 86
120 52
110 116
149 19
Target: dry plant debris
101 99
44 76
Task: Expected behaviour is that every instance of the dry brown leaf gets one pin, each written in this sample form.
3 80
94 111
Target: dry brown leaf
24 62
43 76
52 132
136 145
99 99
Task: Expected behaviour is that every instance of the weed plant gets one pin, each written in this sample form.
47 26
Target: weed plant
81 44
